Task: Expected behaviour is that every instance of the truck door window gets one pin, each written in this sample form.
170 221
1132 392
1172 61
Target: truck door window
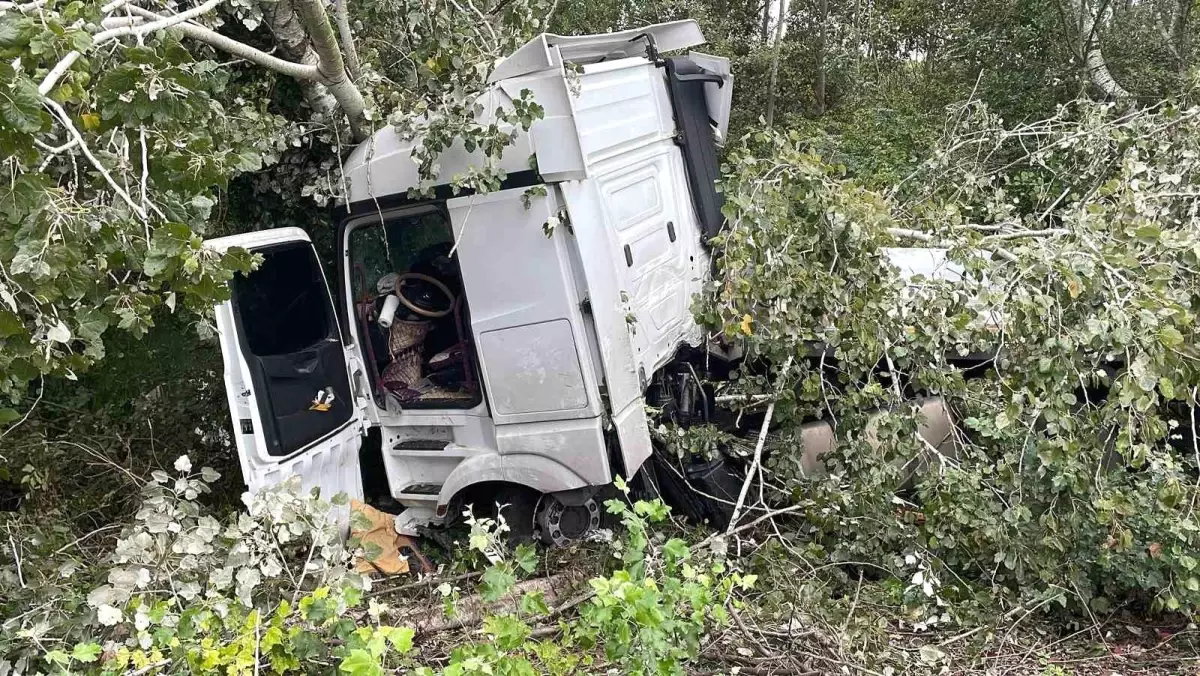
283 303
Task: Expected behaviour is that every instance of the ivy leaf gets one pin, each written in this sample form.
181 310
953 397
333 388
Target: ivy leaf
401 639
534 603
675 549
508 631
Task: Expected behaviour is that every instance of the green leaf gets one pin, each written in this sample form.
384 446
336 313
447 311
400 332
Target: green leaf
14 30
401 639
21 105
526 557
10 324
676 549
86 652
508 631
91 324
57 657
1170 336
360 663
496 582
534 603
8 415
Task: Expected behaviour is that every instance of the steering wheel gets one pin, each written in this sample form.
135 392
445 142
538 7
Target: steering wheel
424 284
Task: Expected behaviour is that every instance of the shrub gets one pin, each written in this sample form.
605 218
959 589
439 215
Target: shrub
1079 245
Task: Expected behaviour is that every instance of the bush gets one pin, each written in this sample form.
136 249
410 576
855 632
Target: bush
273 589
1079 244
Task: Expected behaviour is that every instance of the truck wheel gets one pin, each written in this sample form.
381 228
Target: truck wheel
561 525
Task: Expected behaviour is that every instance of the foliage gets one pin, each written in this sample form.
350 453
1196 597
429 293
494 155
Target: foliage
1075 475
651 613
79 256
272 589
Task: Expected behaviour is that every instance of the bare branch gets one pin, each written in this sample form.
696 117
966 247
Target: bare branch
66 121
331 66
22 7
353 66
102 37
241 50
756 464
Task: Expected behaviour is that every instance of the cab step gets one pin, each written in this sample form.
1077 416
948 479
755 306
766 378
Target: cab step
421 445
418 494
434 450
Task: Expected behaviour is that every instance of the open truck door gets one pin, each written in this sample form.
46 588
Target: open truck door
286 372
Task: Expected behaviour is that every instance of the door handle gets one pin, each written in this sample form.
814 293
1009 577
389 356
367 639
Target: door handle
628 256
671 230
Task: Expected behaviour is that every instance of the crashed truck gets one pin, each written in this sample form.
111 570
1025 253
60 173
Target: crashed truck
462 355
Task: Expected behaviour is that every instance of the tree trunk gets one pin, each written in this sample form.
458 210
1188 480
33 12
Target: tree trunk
823 17
1173 26
303 34
1093 59
315 19
765 33
779 21
353 66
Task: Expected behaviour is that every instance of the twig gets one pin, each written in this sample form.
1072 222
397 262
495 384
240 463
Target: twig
102 37
756 463
834 660
707 542
87 152
148 668
81 538
426 582
41 390
758 646
17 560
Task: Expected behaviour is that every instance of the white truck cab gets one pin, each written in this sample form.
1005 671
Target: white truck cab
494 340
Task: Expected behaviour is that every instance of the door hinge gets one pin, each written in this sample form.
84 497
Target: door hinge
247 425
585 306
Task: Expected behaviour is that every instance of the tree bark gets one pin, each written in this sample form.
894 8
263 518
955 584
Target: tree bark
353 65
1173 26
303 34
823 17
331 66
1093 55
779 21
765 31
